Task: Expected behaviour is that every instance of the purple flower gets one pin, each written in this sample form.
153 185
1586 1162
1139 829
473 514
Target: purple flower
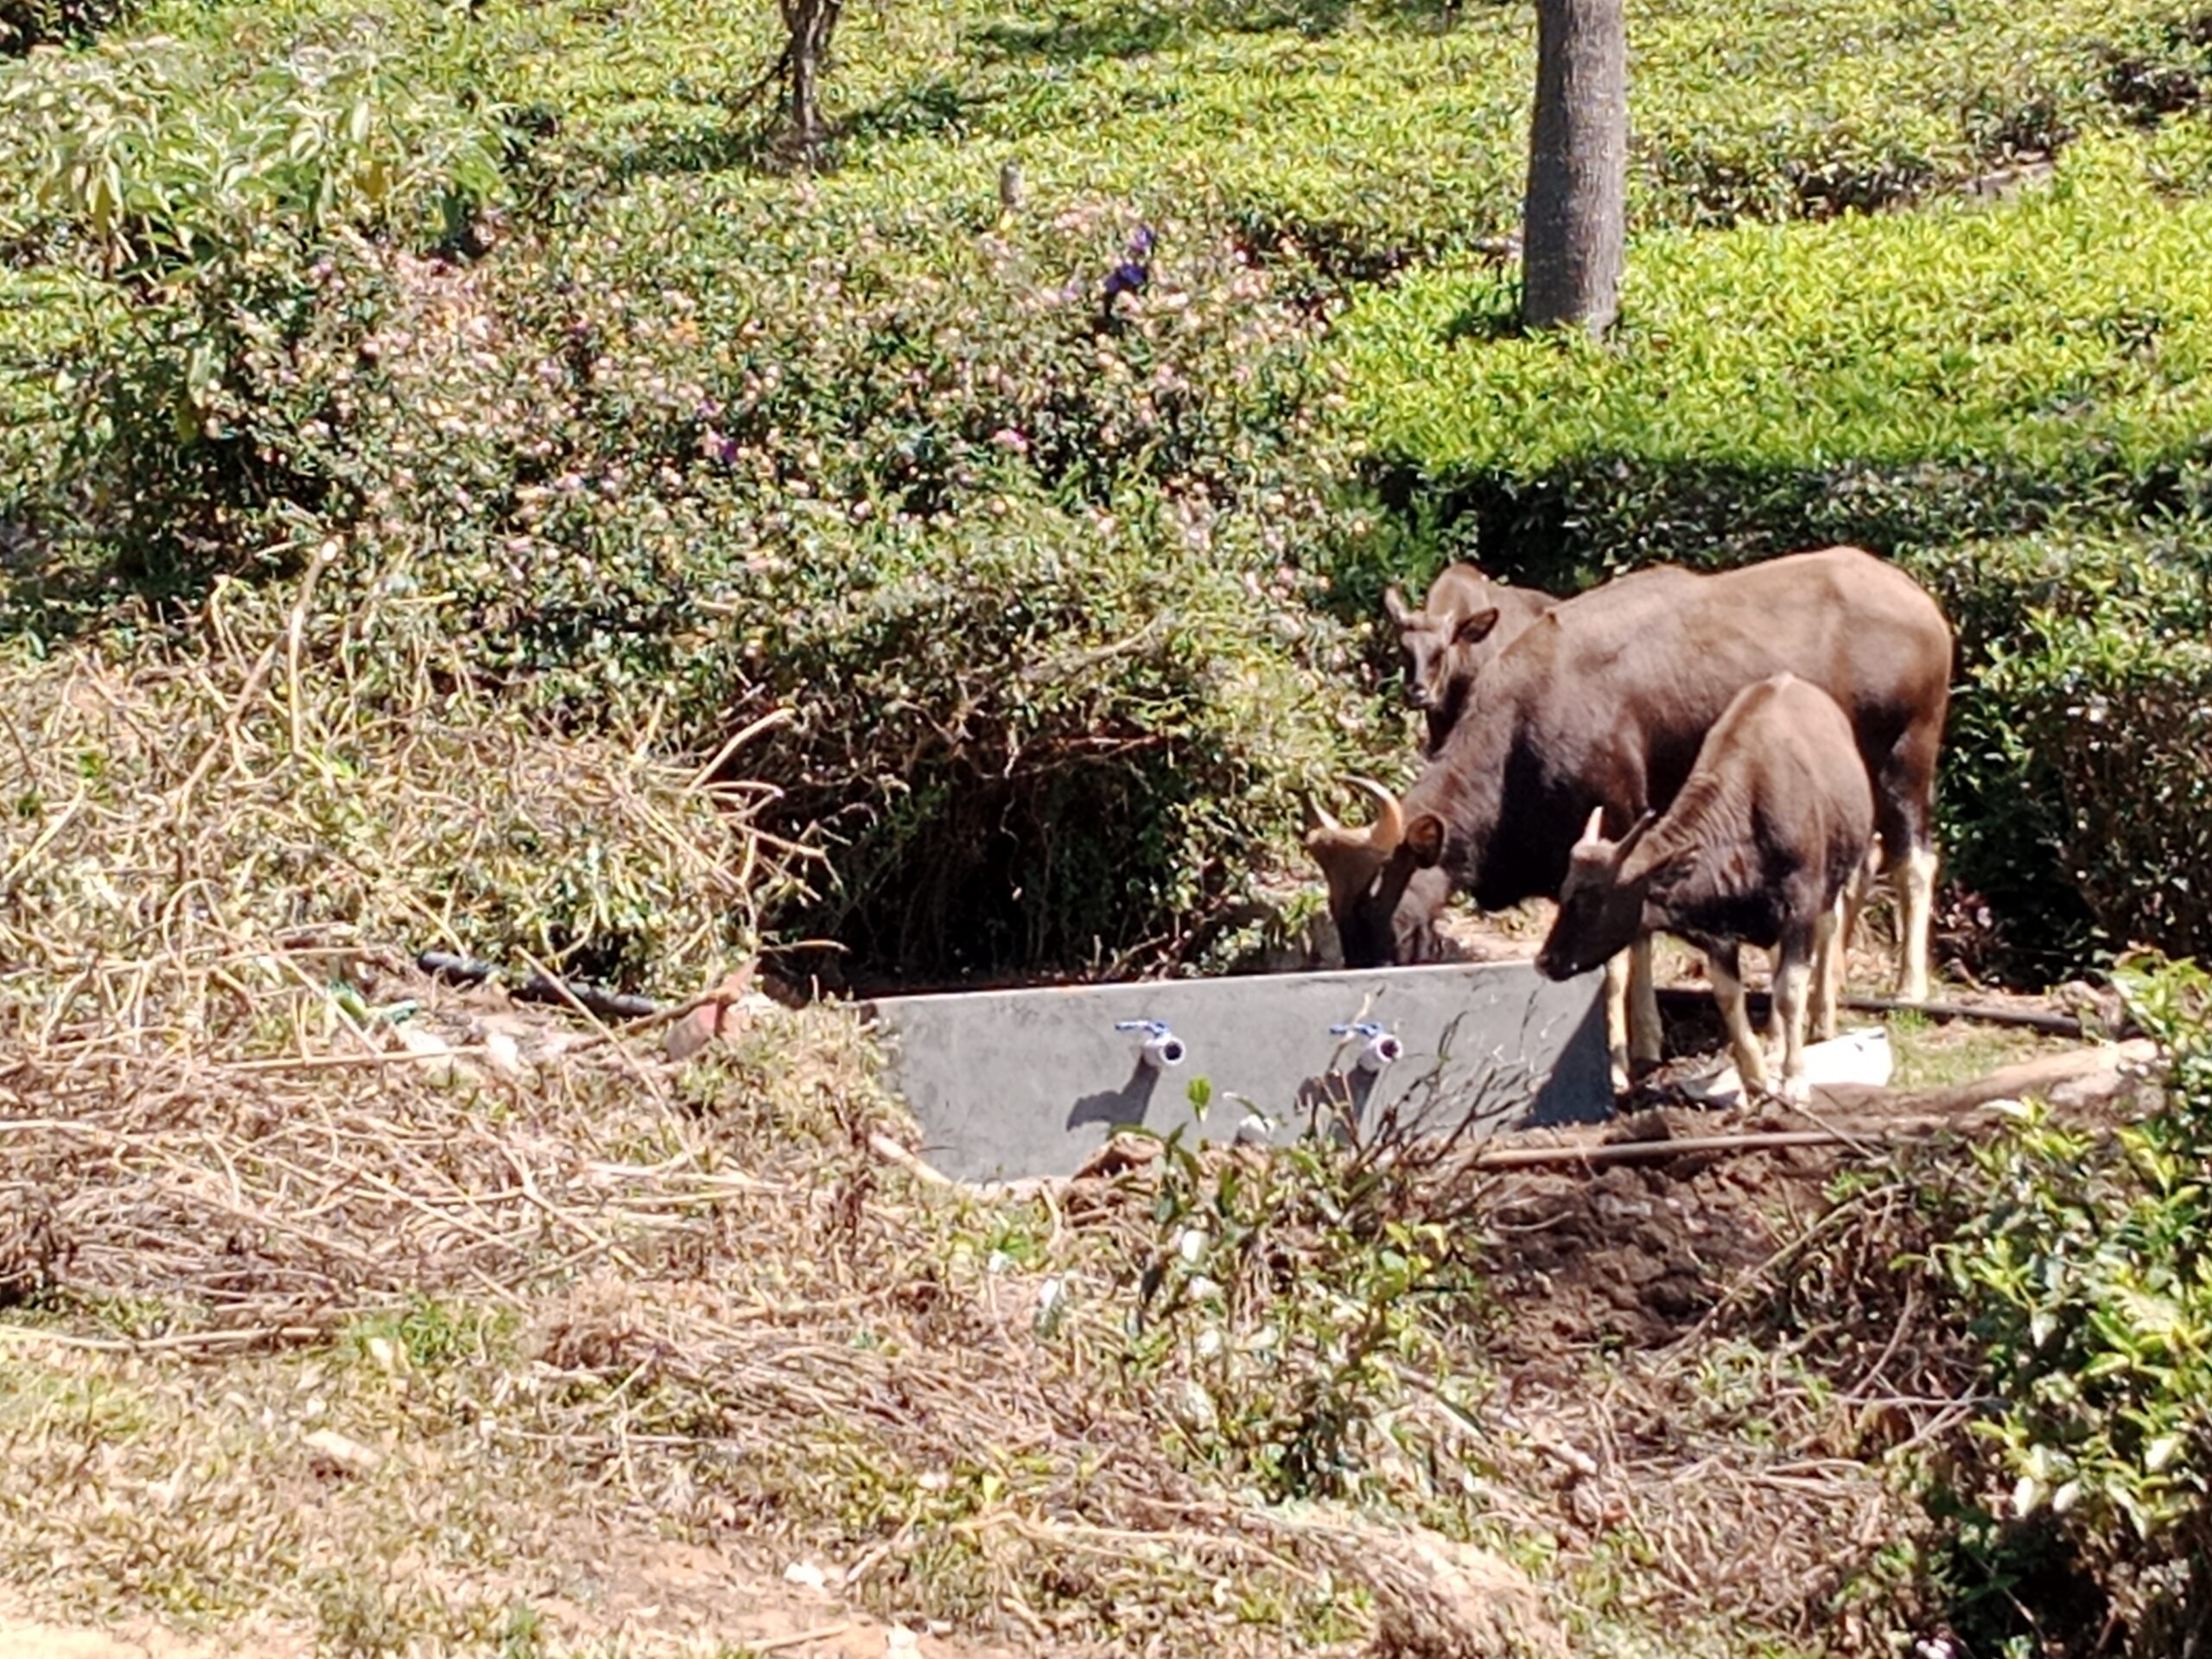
1132 273
1126 279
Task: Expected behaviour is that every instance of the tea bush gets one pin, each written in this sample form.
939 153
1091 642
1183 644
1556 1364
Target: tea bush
1288 1379
198 199
152 154
1964 371
2075 768
2094 1314
1360 139
28 23
1816 110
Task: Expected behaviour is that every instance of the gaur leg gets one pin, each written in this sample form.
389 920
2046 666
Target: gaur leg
1793 975
1828 967
1904 817
1916 901
1856 894
1645 1031
1617 1032
1773 1007
1725 963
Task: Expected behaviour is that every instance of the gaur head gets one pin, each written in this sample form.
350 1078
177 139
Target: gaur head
1601 904
1433 646
1367 872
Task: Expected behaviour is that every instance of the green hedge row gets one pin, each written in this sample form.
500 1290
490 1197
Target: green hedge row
1966 370
1358 138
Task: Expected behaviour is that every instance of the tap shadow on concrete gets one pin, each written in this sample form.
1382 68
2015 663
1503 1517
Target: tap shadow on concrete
1335 1103
1115 1107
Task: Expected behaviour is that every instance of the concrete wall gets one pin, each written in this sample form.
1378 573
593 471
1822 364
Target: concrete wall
1013 1083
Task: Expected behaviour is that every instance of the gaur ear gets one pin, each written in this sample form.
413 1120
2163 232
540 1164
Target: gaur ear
1425 840
1473 629
1394 607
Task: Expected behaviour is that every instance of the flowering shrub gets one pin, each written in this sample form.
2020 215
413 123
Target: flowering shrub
1029 580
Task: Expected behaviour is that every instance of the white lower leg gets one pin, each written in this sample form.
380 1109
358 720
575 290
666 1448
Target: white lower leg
1743 1041
1858 893
1916 882
1617 1033
1827 970
1645 1031
1792 979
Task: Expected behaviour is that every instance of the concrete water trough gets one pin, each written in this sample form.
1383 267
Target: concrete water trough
1014 1083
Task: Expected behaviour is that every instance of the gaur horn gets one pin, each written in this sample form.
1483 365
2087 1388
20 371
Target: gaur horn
1595 831
1636 833
1389 826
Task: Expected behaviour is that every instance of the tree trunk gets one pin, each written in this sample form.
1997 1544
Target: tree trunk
1574 218
808 27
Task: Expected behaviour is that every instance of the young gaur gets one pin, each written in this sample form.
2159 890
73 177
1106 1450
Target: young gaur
1759 846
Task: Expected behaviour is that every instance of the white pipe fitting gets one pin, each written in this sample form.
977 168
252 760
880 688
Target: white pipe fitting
1162 1050
1378 1047
1380 1050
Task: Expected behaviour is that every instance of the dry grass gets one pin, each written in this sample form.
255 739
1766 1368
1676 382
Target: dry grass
582 1308
262 1178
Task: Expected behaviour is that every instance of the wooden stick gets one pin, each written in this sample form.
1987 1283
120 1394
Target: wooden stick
804 1638
2059 1025
348 1062
1643 1151
885 1148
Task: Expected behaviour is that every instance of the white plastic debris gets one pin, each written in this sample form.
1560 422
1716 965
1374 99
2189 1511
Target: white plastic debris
1856 1057
503 1054
332 1453
1254 1130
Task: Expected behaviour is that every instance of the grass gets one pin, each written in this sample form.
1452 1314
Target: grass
1933 1054
601 1320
